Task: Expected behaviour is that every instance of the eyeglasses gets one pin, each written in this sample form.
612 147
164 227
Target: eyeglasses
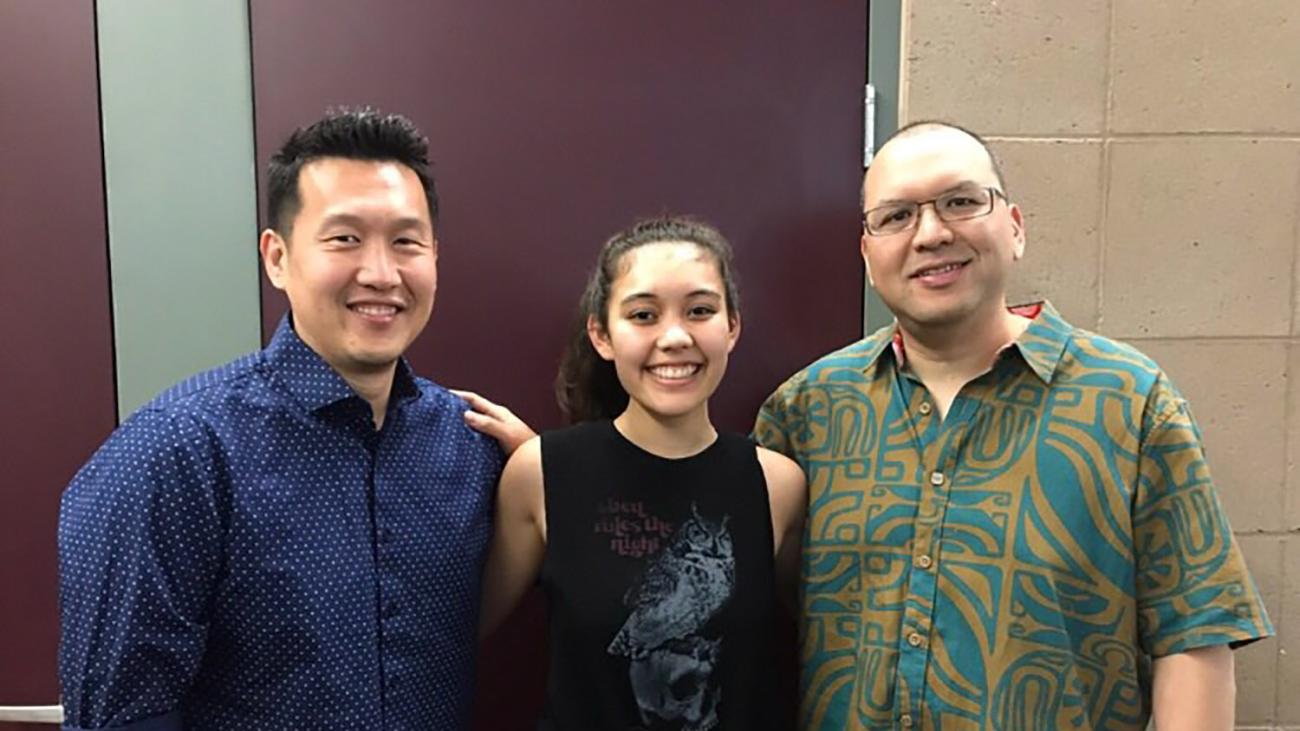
958 205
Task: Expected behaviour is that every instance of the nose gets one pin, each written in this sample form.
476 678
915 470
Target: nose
378 267
930 231
674 337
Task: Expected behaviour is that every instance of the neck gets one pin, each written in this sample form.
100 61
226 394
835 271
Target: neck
375 388
959 352
672 437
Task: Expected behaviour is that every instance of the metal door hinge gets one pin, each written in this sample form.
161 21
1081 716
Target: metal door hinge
868 125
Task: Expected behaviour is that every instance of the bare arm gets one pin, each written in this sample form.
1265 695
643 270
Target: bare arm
518 538
787 493
1195 690
496 421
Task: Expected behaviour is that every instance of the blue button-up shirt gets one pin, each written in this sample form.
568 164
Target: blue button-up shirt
247 551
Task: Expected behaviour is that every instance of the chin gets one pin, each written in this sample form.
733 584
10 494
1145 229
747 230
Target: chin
677 410
942 316
375 360
380 351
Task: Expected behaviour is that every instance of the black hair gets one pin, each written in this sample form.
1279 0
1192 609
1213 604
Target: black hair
587 386
353 134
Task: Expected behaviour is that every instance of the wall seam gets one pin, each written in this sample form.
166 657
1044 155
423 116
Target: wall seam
1103 214
1268 532
108 248
1278 626
904 67
1295 244
1239 339
258 214
1292 533
1086 136
1288 423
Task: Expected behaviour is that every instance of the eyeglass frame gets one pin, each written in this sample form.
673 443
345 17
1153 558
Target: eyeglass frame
994 194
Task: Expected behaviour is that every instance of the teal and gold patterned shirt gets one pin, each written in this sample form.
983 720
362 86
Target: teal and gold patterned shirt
1017 564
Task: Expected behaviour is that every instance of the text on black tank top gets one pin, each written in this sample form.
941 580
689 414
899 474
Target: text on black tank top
659 583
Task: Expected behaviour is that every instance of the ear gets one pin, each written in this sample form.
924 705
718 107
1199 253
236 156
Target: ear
599 338
865 260
733 331
1018 222
274 250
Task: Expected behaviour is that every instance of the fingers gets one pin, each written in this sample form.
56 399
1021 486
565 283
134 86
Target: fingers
475 401
494 428
490 418
483 406
495 421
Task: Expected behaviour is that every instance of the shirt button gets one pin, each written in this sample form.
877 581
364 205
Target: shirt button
905 721
936 478
390 609
923 562
924 408
385 535
915 640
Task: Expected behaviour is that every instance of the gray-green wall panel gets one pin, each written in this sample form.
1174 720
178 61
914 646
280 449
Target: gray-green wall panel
175 82
883 39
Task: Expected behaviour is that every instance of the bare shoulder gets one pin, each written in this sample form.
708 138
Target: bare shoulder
785 479
526 459
778 466
521 480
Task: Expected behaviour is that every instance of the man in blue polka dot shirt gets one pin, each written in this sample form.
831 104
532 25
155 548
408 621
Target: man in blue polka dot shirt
294 539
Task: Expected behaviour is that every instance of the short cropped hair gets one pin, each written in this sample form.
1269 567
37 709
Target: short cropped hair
353 134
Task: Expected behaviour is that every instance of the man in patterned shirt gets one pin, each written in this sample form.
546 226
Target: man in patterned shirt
1011 522
294 540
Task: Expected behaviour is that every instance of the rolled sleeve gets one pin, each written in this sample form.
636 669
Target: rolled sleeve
139 550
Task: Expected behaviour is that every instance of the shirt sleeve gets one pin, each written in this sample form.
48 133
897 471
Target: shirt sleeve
139 552
1193 588
773 428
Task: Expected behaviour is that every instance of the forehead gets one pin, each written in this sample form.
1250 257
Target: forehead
663 261
924 163
338 177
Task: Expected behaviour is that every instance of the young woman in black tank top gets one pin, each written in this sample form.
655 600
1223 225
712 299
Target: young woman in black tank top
660 544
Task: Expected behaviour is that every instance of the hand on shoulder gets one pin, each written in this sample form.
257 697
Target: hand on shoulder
496 421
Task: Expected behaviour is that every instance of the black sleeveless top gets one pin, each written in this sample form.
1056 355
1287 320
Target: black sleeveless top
659 583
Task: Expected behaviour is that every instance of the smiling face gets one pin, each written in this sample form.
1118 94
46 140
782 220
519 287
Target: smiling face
667 331
940 274
360 266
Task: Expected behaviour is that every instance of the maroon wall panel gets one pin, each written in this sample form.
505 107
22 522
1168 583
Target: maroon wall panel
554 124
56 375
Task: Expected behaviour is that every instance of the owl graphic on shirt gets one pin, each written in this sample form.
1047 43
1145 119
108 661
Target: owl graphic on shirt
671 662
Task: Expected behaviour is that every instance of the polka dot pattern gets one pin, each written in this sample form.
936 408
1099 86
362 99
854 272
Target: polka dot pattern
247 551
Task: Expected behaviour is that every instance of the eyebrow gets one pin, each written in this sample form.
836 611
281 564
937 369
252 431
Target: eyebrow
946 191
713 294
401 224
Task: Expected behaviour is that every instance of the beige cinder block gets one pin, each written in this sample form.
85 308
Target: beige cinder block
1291 493
1287 620
1257 663
1057 185
1199 237
1007 68
1187 65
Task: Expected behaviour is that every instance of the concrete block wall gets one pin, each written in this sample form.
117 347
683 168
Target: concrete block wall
1155 149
